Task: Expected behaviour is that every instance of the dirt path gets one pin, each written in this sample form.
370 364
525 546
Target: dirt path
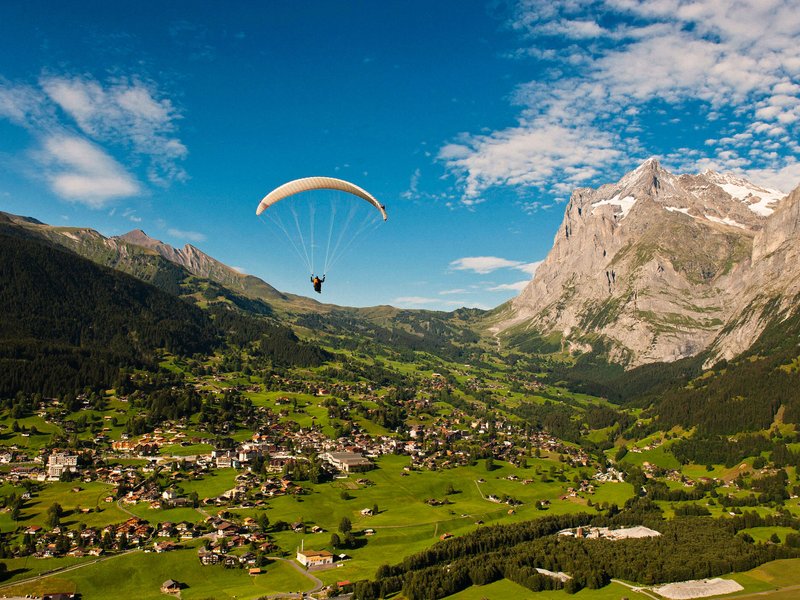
767 593
316 581
637 589
64 570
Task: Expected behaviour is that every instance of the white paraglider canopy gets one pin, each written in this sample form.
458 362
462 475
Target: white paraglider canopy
304 232
317 183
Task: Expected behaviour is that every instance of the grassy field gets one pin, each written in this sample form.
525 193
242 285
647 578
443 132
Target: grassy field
772 576
505 589
405 523
140 575
212 484
762 534
89 496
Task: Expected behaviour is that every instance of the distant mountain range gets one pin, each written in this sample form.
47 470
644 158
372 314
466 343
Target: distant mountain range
654 268
193 275
658 267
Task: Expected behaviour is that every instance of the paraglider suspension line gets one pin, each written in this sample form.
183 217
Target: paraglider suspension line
279 223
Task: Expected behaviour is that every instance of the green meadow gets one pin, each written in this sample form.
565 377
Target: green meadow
140 575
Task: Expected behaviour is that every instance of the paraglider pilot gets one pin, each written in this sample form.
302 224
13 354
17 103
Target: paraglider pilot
317 283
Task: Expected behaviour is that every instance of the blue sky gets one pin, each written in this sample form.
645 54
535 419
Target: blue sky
471 121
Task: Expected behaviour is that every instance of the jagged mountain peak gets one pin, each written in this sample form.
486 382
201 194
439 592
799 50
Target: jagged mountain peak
648 176
760 200
651 263
139 238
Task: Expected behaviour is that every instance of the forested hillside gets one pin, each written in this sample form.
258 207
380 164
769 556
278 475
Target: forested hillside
68 323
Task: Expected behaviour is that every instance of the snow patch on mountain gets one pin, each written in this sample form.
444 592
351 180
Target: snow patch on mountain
725 221
758 199
685 211
625 204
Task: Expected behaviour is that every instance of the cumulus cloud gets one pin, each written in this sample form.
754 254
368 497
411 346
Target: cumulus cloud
79 121
192 236
77 170
124 110
488 264
517 286
625 60
530 268
483 264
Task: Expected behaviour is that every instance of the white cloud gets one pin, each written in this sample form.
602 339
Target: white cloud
488 264
22 104
124 110
192 236
483 264
580 118
530 268
79 171
240 270
454 291
131 215
413 186
123 115
510 287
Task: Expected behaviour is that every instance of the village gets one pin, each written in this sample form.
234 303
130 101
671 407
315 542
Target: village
278 459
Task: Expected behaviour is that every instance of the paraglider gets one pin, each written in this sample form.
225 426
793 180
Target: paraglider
317 183
304 244
317 282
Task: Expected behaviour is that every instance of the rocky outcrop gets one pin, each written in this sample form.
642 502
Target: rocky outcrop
658 266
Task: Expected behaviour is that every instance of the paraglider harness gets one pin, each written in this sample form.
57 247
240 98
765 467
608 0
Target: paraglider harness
317 283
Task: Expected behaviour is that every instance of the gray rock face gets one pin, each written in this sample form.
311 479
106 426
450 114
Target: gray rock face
660 266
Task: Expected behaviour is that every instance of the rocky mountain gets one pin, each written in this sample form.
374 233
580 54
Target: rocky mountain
201 264
658 267
160 264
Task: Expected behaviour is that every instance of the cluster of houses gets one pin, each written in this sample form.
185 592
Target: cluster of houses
90 541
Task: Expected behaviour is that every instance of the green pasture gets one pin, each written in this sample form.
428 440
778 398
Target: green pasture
26 567
89 496
762 534
140 575
505 589
660 457
212 484
771 576
405 523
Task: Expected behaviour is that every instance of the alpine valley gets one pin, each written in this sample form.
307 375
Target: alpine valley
626 427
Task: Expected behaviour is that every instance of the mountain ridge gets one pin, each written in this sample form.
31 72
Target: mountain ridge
654 265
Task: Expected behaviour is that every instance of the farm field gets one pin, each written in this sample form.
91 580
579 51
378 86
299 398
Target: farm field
140 575
405 523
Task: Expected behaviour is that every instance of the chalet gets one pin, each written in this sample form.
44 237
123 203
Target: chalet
165 546
206 557
225 529
230 561
170 586
347 462
314 558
